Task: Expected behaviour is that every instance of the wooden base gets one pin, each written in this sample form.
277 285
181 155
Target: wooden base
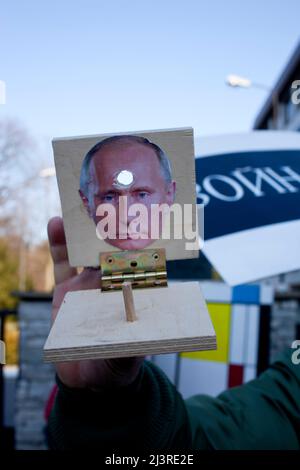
92 324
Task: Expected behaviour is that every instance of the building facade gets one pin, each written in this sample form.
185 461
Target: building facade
282 108
281 111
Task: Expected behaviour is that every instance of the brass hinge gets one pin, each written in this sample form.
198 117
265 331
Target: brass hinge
144 268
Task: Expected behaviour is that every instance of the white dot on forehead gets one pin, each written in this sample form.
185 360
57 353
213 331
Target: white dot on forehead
125 177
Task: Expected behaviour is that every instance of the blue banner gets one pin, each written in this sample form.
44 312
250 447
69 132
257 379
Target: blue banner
245 190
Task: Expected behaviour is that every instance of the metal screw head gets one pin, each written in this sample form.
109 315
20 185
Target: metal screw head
133 264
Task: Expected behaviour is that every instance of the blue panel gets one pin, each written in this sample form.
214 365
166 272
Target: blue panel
249 211
245 294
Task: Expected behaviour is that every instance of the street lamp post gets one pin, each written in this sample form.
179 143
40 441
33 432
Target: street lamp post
236 81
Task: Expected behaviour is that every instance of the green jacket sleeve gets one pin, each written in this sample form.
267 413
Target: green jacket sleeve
151 415
262 414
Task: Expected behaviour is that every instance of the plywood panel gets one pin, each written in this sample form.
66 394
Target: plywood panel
92 324
82 242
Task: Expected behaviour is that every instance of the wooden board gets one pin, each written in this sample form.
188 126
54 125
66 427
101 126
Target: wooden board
82 243
92 324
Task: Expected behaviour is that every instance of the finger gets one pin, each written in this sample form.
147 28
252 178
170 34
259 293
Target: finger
87 279
58 249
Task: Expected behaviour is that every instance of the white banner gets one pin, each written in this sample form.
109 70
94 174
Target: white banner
250 186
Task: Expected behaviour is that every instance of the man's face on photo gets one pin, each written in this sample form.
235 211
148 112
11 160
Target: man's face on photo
148 186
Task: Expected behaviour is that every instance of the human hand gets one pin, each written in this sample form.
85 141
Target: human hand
94 374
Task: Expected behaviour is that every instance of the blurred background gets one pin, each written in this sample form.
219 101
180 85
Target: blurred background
92 67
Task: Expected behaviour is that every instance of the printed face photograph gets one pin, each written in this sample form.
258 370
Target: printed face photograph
126 172
128 191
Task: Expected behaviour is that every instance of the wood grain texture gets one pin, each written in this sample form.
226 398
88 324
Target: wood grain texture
92 324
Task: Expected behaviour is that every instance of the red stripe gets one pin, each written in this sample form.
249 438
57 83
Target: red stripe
50 402
235 375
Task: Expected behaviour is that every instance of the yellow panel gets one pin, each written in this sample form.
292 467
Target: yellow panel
220 317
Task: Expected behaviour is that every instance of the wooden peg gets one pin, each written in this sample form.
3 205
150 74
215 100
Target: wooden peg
128 301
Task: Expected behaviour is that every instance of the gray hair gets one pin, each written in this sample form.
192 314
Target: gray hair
85 167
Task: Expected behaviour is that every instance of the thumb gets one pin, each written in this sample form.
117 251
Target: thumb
58 250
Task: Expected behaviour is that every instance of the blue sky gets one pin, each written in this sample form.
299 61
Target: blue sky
86 67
